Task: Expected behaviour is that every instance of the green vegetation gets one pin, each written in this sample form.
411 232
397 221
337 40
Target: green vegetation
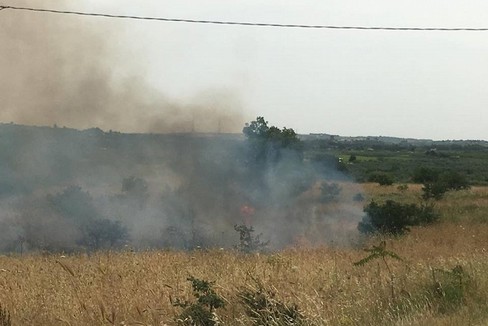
380 252
440 183
395 218
202 311
248 242
270 144
382 179
406 160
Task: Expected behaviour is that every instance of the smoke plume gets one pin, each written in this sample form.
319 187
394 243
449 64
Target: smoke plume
71 189
69 71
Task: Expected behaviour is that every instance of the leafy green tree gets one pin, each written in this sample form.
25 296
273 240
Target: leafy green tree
268 144
274 166
256 129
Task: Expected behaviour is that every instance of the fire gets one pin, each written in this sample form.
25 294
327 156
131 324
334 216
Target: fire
247 212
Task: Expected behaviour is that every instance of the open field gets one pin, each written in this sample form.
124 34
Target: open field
136 288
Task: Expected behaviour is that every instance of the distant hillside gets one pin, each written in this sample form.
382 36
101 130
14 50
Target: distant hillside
393 140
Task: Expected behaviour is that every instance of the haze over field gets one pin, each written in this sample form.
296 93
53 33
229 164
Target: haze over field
144 76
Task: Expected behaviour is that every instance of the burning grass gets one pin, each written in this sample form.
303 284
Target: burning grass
442 280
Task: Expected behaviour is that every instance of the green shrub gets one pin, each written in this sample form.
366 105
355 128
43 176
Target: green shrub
381 178
201 312
454 180
395 218
433 190
450 288
425 175
447 181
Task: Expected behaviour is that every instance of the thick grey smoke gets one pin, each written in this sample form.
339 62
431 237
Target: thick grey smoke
64 189
69 71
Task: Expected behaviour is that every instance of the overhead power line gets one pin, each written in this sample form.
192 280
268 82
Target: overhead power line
240 23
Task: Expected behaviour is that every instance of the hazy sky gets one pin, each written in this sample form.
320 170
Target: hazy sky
346 82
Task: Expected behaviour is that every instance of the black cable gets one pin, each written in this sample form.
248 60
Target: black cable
217 22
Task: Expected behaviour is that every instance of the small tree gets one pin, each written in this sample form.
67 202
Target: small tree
247 241
268 143
201 312
380 252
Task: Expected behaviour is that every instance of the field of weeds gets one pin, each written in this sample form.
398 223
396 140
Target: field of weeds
441 278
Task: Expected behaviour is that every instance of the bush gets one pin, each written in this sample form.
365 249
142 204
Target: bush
447 181
381 178
358 197
264 309
450 288
425 175
201 312
454 180
329 192
434 190
95 231
75 204
104 233
395 218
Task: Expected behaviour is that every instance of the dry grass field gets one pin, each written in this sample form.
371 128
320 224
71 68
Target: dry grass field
442 279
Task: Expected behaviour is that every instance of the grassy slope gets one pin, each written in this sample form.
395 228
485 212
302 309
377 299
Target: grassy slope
135 288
